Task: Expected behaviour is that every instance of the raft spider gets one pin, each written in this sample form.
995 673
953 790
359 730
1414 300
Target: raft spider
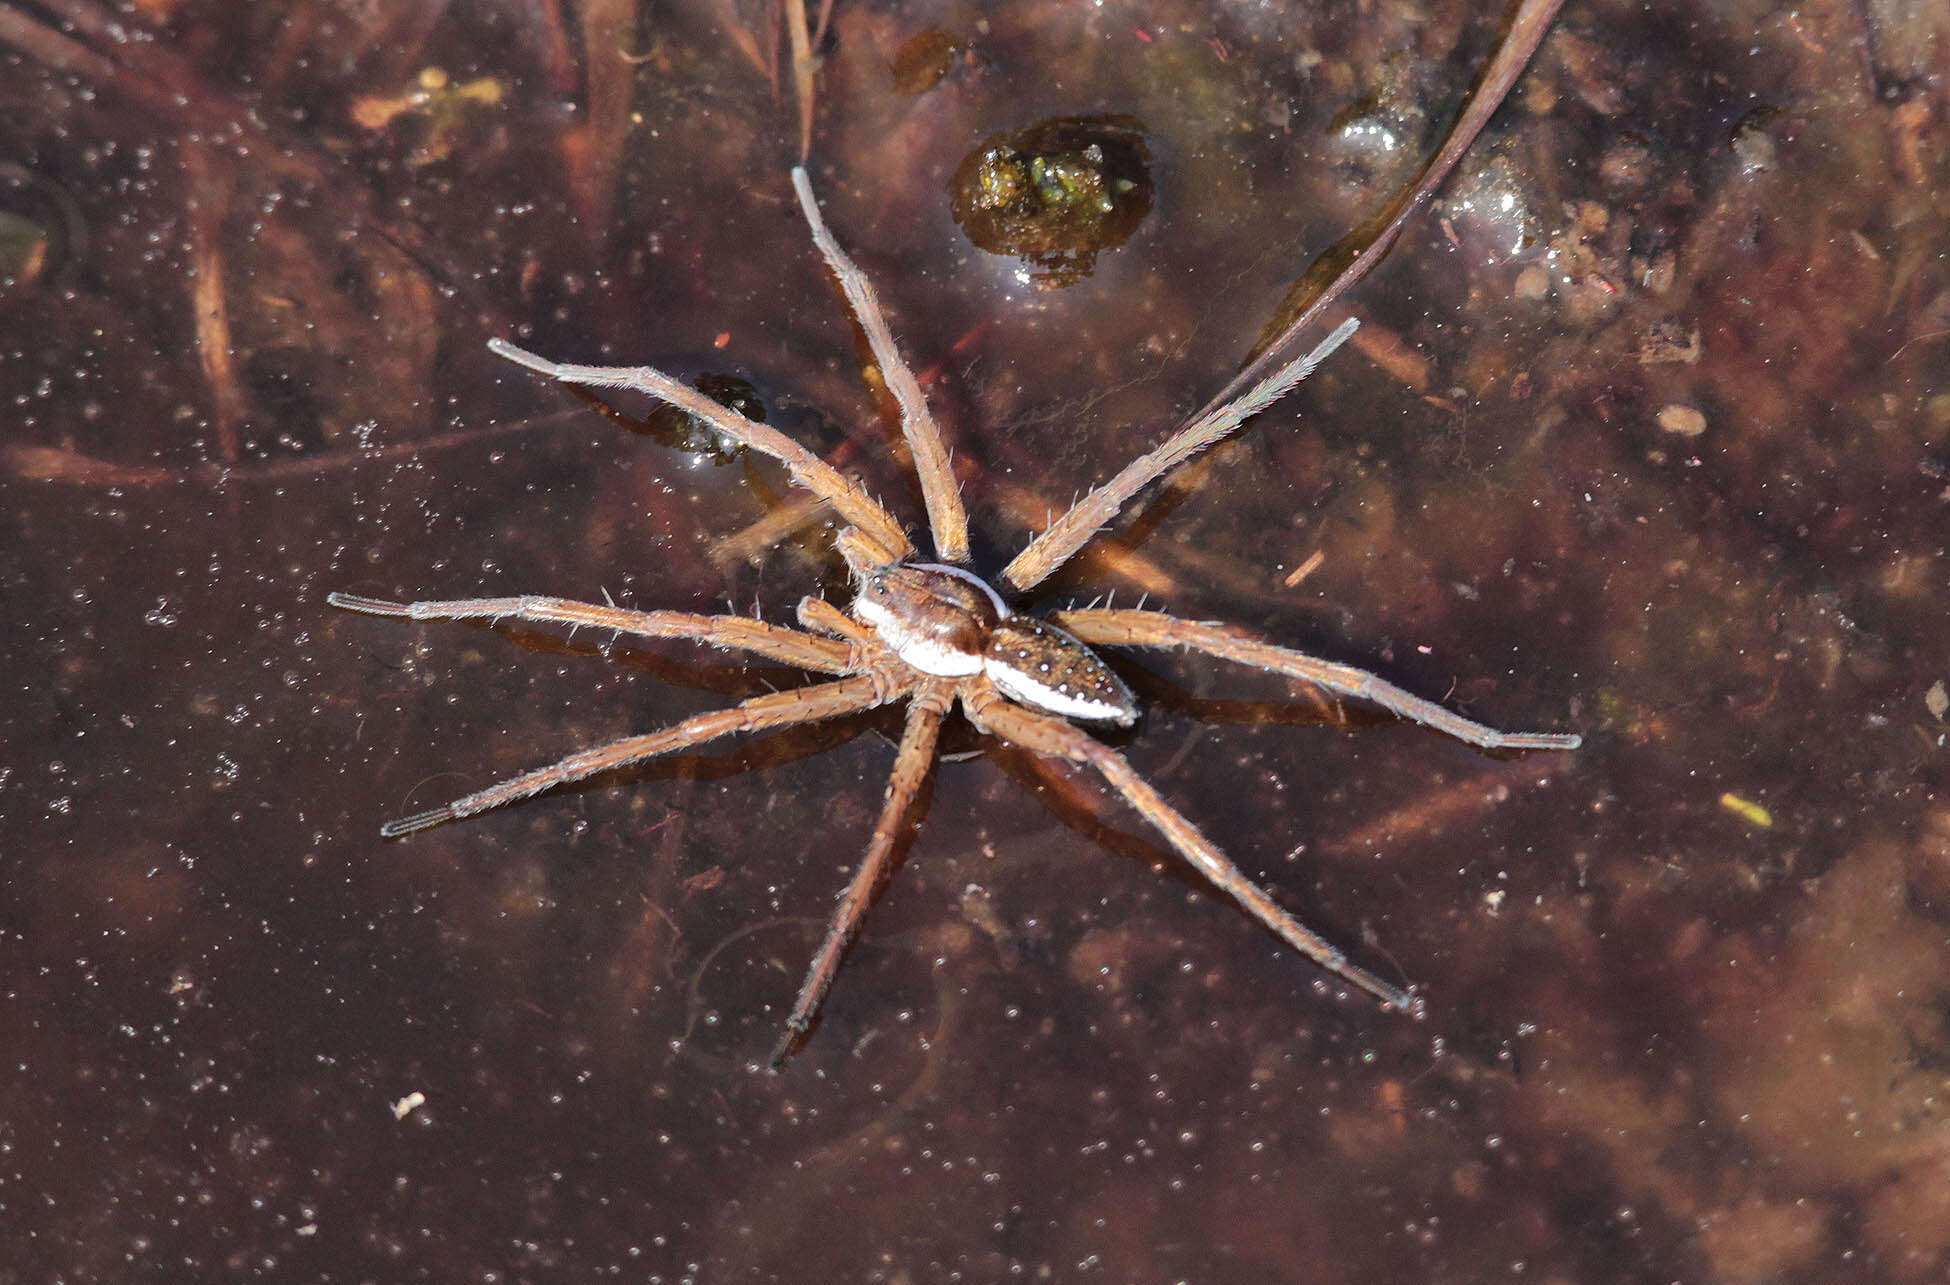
934 634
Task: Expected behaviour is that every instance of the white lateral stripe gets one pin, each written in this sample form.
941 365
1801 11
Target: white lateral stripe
926 655
1025 690
938 659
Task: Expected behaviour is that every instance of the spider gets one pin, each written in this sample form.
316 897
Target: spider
936 635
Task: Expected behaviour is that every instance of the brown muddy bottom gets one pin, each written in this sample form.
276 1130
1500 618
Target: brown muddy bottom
1645 437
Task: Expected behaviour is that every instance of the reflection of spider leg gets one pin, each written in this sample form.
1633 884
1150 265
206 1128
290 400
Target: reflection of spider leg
945 516
733 633
807 469
1060 541
774 709
1057 739
911 767
1155 629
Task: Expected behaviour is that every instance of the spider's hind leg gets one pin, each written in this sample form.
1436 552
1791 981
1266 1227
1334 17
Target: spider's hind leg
1128 628
1054 738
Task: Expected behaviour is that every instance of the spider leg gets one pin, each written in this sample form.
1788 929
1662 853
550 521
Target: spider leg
911 765
1060 541
1374 237
732 633
1049 736
945 515
774 709
1155 629
807 469
823 617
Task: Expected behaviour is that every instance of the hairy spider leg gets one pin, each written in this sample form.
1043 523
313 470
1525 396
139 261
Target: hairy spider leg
823 617
731 633
774 709
1128 628
808 470
946 518
1375 236
911 767
1069 533
1054 738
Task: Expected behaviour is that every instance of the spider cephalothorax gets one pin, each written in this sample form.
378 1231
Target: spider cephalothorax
935 635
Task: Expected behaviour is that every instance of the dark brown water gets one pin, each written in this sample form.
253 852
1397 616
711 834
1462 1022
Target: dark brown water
1647 436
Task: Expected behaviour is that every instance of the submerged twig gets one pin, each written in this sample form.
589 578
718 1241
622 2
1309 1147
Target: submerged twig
1355 255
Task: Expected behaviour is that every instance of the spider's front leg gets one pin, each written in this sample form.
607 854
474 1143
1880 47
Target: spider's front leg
732 633
808 470
946 518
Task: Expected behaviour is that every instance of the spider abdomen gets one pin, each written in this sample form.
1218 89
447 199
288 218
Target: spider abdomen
1036 664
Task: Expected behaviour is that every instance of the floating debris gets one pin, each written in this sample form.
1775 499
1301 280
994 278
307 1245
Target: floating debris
1685 421
1056 193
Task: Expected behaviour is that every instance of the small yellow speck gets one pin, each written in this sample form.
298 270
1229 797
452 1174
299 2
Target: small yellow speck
1748 810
